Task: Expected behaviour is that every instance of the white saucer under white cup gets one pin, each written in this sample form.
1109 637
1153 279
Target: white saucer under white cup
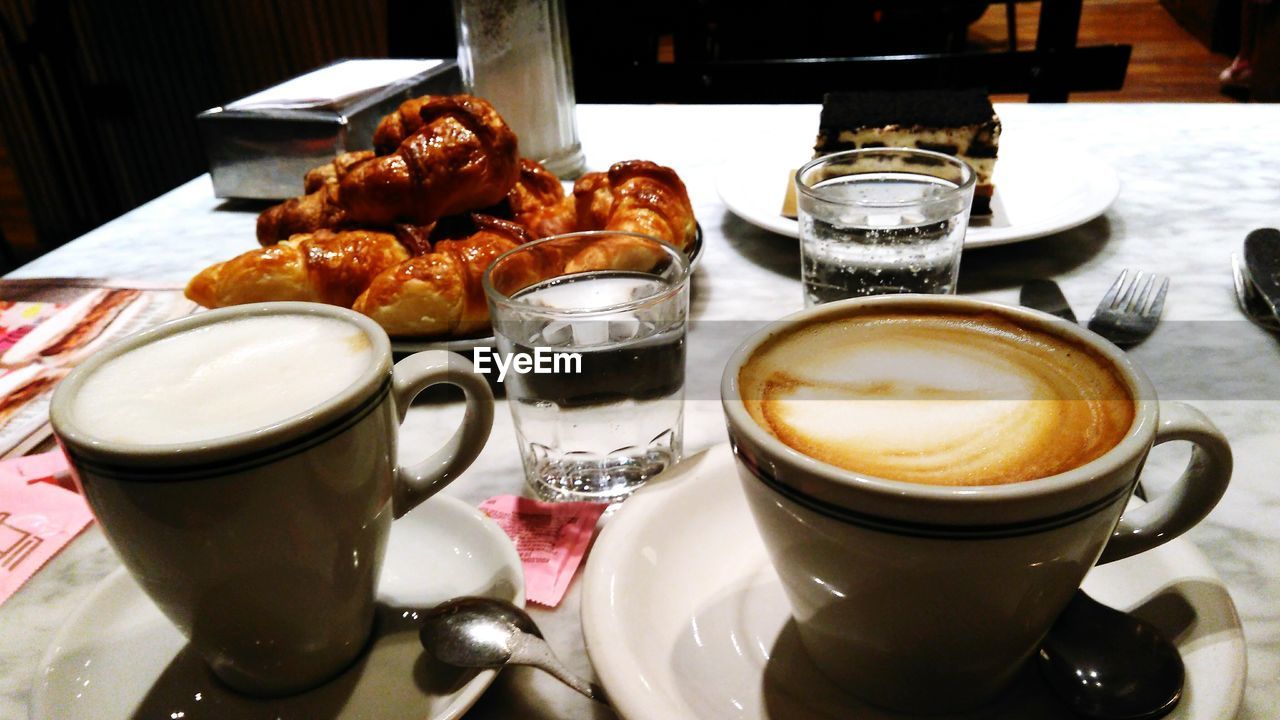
684 616
119 657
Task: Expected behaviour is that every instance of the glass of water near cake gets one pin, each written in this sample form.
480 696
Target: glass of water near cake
882 221
884 206
590 331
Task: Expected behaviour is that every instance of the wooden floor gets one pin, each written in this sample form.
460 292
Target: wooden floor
1168 65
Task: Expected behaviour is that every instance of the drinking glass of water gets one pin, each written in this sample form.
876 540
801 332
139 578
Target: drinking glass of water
881 221
590 330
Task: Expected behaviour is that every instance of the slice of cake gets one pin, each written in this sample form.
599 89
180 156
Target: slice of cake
956 122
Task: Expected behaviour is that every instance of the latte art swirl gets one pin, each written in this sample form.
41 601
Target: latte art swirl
943 399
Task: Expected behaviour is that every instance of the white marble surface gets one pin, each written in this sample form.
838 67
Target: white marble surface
1195 180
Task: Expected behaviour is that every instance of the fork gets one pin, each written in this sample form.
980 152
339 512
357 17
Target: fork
1130 310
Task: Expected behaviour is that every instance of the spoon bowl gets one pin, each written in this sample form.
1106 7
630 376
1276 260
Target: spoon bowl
477 632
474 632
1107 664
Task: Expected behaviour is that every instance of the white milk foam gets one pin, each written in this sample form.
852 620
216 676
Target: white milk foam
221 379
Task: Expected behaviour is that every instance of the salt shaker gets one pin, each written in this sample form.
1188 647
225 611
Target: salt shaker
515 54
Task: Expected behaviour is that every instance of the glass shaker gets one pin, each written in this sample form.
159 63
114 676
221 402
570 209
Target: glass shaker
515 54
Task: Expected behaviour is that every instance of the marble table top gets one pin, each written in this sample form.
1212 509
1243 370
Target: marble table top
1195 179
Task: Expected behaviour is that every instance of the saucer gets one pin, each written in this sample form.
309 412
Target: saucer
684 616
119 657
1040 190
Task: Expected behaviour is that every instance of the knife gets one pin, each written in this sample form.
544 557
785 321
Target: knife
1262 261
1046 296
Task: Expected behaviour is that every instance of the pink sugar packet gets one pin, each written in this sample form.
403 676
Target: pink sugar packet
37 516
551 539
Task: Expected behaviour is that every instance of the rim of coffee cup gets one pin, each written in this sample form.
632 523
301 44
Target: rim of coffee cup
75 440
952 505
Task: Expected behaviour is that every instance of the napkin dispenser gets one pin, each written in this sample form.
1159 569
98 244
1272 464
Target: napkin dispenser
259 147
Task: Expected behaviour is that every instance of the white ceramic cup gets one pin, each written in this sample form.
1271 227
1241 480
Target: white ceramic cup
926 598
264 547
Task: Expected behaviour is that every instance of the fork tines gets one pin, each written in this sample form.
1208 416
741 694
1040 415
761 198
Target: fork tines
1135 297
1130 310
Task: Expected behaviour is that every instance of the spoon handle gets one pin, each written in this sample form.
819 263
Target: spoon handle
534 651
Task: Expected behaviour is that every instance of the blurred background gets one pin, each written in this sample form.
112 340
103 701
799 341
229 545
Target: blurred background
98 97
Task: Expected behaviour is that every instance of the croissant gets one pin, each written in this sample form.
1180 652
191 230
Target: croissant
538 202
462 158
399 125
439 293
314 211
329 173
319 209
324 266
457 156
633 196
637 196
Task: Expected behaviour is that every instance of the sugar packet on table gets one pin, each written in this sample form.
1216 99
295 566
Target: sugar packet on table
37 516
551 539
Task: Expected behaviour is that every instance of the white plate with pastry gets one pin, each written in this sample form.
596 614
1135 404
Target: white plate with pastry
1039 191
405 345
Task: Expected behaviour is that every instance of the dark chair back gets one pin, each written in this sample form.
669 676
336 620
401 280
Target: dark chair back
799 50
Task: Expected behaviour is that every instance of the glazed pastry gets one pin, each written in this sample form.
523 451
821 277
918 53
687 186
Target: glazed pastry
318 210
637 196
462 158
405 233
538 202
439 293
325 266
399 125
330 172
593 200
633 196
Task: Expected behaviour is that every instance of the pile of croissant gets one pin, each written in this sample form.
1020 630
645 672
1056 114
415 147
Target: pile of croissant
404 233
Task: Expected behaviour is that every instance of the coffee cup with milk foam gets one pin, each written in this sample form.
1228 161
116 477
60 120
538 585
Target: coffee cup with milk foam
242 463
933 477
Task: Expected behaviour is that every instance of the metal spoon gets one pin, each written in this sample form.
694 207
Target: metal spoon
1108 664
477 632
1251 303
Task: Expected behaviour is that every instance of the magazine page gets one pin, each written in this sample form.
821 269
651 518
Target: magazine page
47 326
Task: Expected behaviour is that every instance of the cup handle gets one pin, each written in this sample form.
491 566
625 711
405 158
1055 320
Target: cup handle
1191 497
412 375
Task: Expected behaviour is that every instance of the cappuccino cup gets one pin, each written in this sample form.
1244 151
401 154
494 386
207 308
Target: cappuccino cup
934 476
242 464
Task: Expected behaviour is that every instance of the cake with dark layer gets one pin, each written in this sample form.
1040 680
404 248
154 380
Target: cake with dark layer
956 122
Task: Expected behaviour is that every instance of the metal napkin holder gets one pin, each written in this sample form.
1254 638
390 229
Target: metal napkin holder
262 152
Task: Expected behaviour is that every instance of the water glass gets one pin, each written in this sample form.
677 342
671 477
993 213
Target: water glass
882 221
590 329
515 54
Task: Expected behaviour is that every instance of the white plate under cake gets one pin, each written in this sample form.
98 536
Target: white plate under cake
1040 189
